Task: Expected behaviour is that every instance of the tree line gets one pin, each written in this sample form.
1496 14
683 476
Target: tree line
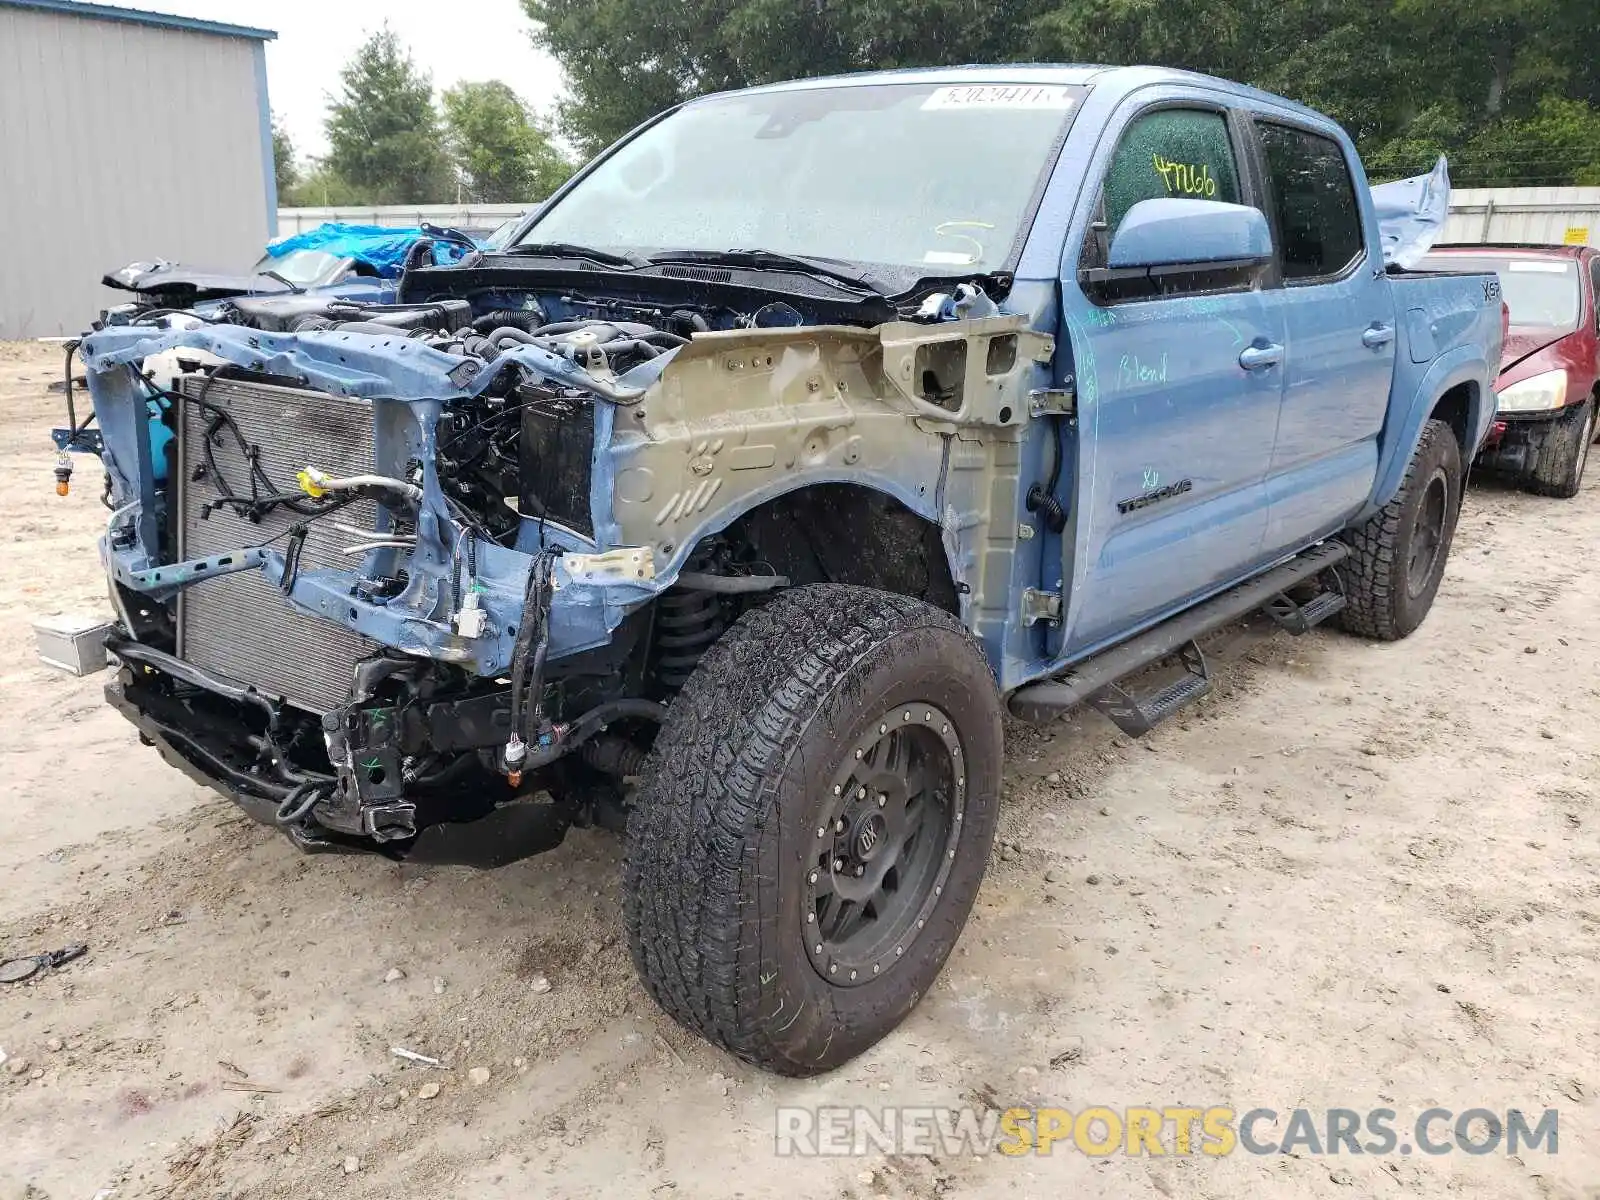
389 143
1510 91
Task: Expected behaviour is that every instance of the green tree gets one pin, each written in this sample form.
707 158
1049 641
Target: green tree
503 152
1347 58
284 170
1437 129
1495 59
1150 31
1558 144
1407 78
626 60
319 187
384 139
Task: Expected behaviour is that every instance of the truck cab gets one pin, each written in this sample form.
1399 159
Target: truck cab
738 494
1258 386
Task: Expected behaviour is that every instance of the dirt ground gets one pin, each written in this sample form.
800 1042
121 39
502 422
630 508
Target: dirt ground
1356 876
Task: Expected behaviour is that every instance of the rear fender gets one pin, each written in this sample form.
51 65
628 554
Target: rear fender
1403 428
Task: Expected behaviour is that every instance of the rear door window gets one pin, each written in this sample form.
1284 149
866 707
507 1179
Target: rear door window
1313 202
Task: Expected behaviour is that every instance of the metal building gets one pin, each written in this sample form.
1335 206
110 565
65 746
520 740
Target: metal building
124 136
1546 215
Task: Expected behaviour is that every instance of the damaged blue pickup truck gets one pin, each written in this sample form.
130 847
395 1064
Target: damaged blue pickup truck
735 500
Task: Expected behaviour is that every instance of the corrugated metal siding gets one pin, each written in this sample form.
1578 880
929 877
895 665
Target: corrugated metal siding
1542 215
120 142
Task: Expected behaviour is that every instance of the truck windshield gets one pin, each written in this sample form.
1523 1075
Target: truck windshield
922 180
1540 292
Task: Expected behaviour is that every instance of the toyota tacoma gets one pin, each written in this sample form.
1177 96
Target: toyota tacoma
738 496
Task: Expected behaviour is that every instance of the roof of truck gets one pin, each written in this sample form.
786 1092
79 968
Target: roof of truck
1125 78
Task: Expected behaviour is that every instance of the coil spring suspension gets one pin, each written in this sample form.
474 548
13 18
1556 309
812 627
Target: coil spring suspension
686 624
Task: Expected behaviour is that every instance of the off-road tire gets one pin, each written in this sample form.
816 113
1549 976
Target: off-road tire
1380 603
714 881
1559 469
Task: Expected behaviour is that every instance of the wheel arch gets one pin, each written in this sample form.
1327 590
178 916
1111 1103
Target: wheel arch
846 531
1455 389
1457 408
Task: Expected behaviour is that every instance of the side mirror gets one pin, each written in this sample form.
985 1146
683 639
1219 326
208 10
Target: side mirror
1172 232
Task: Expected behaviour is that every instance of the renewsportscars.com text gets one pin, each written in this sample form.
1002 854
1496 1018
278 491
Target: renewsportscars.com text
1179 1130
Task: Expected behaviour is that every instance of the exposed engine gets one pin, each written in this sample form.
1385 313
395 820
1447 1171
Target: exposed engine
413 733
527 443
523 447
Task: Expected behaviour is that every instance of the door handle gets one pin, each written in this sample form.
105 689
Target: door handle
1258 358
1377 335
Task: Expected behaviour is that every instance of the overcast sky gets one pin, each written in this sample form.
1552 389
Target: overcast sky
460 39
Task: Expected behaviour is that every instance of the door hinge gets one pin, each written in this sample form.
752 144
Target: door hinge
1040 606
1054 402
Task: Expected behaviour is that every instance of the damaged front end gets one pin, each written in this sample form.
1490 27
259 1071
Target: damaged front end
329 612
421 578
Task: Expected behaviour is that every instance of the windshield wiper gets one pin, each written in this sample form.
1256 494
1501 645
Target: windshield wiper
833 270
572 250
283 279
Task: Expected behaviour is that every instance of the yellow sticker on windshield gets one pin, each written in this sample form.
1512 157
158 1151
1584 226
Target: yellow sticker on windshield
1001 95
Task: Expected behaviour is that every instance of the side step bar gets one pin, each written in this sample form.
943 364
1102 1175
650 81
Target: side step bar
1298 617
1138 715
1048 698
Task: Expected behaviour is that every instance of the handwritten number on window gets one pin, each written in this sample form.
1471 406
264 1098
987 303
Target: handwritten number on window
1185 179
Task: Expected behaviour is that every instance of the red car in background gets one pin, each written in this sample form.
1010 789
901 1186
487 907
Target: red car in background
1549 385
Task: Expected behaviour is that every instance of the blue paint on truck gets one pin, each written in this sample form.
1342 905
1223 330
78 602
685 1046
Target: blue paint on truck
1292 408
813 500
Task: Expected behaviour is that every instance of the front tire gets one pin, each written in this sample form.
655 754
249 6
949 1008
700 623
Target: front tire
1565 452
1397 558
815 820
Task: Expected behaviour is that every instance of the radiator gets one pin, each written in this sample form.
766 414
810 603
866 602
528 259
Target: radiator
242 626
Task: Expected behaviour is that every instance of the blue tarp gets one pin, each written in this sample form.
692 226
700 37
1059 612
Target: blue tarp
1411 214
383 248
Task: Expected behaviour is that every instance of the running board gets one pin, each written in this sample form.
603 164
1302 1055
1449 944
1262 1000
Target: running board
1138 715
1051 697
1299 617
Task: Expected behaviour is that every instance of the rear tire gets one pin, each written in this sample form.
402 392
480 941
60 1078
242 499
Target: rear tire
1397 558
787 780
1565 452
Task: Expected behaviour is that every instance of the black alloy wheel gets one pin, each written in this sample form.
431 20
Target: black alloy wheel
885 843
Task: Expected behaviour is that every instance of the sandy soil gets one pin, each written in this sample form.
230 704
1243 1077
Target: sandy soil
1358 876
